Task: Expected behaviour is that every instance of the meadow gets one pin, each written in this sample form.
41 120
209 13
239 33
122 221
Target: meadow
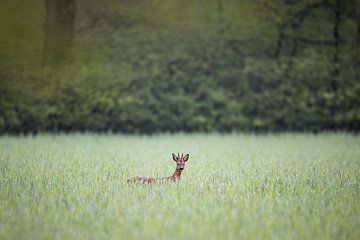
234 186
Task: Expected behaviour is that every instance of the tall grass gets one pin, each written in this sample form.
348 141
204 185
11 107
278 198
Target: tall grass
287 186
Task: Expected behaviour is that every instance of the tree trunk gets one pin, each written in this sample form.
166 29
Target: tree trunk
335 72
59 30
357 2
336 35
334 85
279 42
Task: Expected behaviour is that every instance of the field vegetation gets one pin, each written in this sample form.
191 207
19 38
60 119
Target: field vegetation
286 186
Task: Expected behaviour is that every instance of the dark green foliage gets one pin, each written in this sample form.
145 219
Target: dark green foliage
289 74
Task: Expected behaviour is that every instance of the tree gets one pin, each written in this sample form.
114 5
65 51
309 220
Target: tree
357 2
59 30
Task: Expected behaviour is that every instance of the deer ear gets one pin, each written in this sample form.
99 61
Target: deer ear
174 157
186 157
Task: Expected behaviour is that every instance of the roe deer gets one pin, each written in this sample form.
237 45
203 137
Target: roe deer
180 165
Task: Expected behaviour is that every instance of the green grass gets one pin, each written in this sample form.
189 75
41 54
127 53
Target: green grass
287 186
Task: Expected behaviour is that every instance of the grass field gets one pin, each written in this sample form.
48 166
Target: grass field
287 186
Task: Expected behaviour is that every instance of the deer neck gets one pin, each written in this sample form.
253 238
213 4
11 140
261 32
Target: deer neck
176 174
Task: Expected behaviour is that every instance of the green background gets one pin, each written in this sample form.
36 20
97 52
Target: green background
155 65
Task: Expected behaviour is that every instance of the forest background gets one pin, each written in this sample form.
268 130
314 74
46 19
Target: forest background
146 66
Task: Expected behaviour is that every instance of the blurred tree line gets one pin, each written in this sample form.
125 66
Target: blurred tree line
145 66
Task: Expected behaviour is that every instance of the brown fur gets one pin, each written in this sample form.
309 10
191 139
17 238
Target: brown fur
180 165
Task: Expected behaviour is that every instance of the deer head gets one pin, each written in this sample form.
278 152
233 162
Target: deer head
180 161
